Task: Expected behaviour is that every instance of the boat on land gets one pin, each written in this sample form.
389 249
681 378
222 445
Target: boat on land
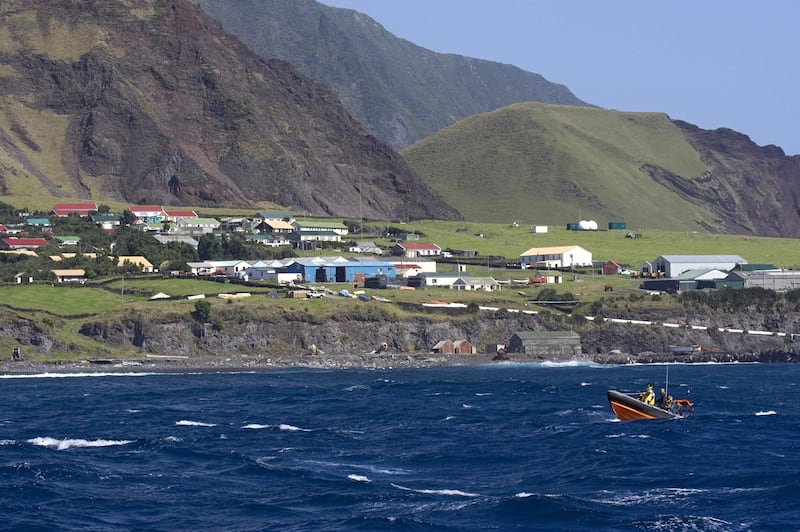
628 408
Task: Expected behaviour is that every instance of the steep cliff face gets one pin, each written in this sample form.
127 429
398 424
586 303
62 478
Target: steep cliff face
151 102
400 91
751 189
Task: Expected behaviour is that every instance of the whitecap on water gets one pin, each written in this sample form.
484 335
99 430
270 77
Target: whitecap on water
187 423
358 478
284 426
66 443
449 492
766 413
255 426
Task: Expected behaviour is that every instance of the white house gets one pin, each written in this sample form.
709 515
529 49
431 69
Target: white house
196 225
407 269
442 279
486 284
556 257
413 251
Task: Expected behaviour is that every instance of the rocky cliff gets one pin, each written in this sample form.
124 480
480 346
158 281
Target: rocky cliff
288 335
152 102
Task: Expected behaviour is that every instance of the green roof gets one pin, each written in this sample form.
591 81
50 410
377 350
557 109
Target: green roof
321 225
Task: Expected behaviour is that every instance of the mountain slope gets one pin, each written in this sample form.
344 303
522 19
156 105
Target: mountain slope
151 102
402 92
549 164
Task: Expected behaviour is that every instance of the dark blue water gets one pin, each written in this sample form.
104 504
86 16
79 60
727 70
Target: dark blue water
463 448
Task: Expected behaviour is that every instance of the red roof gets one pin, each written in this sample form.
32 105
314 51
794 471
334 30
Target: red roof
406 266
181 214
81 209
3 228
406 245
13 242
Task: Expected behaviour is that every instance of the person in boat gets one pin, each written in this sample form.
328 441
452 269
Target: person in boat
648 396
664 401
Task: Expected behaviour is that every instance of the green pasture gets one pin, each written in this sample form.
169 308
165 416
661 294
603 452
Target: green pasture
503 240
58 299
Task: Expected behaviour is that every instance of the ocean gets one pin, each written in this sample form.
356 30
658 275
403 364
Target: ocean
498 447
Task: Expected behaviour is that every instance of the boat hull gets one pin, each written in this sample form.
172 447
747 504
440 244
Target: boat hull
628 408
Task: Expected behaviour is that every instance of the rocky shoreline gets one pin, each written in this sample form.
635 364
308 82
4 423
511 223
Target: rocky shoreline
370 361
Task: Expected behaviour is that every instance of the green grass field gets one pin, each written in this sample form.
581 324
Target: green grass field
502 240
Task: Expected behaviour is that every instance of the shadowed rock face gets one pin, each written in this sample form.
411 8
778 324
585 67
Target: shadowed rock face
752 189
164 107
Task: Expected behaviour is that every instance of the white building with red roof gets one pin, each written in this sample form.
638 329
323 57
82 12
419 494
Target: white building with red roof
173 215
414 250
148 213
81 209
22 243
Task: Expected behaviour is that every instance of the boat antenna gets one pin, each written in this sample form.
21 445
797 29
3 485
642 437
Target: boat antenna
666 385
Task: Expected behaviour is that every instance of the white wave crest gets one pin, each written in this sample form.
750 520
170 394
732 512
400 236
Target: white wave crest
358 478
766 413
66 443
187 423
284 426
455 493
523 495
8 442
172 439
71 375
255 426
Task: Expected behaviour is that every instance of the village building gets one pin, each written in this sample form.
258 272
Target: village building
450 347
148 214
438 279
181 239
70 276
14 243
268 240
196 226
365 246
407 269
81 209
611 268
173 215
339 270
674 265
556 257
106 222
23 278
275 227
778 280
690 280
557 345
273 216
414 250
306 226
201 268
468 282
39 222
141 263
70 240
309 239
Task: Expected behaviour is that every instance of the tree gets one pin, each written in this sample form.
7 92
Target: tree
202 310
209 247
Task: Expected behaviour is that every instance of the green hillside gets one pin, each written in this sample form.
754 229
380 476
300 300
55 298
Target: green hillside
551 164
